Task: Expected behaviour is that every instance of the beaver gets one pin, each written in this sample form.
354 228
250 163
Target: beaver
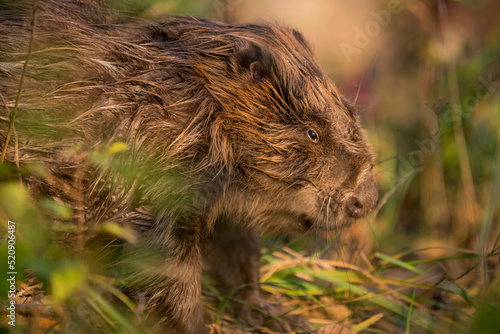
229 131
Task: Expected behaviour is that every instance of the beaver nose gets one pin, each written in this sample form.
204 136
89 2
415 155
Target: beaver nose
363 199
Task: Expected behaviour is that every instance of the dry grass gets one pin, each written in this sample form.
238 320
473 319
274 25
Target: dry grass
429 261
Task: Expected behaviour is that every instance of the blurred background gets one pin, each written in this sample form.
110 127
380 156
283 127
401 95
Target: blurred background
426 77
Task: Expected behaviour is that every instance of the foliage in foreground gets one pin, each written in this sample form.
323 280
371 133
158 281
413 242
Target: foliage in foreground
401 287
405 292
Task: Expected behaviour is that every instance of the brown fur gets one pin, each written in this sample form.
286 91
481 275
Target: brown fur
216 118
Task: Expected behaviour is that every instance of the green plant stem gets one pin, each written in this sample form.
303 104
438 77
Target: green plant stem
458 130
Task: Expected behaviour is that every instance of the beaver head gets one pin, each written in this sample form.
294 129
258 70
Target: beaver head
294 151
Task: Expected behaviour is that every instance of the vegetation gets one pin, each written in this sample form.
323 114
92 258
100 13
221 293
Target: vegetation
425 261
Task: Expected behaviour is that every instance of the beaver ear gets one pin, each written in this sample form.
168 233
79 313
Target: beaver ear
254 59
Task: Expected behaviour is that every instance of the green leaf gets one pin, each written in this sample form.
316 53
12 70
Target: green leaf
58 209
14 199
68 280
401 264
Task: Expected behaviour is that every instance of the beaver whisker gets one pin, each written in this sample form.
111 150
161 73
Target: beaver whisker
319 211
327 217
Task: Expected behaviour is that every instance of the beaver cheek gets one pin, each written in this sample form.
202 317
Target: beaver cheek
363 199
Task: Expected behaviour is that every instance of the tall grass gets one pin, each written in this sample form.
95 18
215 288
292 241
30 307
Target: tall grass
427 262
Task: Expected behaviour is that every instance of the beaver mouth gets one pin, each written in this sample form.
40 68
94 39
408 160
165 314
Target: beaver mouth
308 223
324 227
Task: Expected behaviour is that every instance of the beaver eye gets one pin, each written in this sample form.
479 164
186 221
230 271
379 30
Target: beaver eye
313 135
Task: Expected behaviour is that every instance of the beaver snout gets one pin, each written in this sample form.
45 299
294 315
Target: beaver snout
363 199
